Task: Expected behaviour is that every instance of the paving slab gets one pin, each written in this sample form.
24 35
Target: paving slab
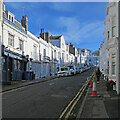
106 105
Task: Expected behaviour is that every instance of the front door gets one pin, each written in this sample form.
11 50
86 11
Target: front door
10 69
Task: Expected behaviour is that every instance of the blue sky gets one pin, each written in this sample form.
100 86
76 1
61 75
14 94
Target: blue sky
81 23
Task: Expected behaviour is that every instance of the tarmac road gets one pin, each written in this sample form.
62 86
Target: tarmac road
42 100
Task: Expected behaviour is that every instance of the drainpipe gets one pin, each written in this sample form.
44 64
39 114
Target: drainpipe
118 50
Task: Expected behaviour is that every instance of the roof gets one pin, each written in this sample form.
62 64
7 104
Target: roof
96 53
9 12
55 37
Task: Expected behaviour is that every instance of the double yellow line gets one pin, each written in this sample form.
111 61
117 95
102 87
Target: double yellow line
74 101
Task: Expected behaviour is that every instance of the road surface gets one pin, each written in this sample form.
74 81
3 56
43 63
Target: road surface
43 100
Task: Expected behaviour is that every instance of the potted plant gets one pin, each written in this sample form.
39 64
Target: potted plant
110 84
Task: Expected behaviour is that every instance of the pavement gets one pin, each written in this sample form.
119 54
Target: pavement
22 83
105 105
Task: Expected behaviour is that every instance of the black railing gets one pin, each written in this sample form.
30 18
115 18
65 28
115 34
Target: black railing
46 58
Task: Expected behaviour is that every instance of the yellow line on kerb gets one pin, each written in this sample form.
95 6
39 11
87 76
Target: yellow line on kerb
68 114
72 100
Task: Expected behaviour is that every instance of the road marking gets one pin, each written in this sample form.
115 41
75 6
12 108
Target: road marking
25 86
68 114
72 101
13 90
51 83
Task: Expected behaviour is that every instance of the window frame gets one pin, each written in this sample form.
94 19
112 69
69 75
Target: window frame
21 41
113 64
10 40
113 28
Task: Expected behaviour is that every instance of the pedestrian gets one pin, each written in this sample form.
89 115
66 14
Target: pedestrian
98 74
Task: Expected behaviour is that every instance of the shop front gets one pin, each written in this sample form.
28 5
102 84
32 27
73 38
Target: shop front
14 65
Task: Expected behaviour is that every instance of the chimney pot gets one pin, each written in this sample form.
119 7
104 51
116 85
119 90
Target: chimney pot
22 17
43 30
25 17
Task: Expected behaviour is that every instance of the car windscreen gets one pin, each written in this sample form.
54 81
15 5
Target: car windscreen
71 67
64 69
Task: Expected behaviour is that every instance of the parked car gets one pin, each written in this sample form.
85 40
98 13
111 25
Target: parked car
64 71
81 70
77 70
72 69
88 68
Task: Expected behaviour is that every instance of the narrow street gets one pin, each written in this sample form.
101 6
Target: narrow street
43 100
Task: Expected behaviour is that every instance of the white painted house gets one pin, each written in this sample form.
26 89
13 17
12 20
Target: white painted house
27 56
109 52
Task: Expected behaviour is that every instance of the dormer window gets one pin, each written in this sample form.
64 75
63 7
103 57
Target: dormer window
12 19
9 17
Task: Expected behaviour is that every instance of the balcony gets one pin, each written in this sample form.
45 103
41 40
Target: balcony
55 59
46 58
14 25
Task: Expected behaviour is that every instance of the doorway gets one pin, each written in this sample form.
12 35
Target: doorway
10 63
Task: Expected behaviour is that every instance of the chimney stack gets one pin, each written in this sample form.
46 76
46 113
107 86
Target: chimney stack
25 17
71 44
41 30
24 22
45 35
22 17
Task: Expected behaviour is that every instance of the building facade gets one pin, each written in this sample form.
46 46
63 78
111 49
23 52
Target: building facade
109 50
23 54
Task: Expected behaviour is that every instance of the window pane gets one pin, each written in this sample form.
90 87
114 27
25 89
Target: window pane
15 64
113 64
9 17
10 40
21 44
12 19
114 31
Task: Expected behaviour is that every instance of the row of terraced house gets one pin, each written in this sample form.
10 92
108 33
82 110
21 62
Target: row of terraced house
22 51
110 48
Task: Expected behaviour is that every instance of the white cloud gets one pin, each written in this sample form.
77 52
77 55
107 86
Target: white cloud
76 32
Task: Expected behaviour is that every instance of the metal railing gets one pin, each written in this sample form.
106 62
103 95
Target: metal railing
46 58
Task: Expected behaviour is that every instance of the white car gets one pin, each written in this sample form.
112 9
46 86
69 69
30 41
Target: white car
72 69
64 71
